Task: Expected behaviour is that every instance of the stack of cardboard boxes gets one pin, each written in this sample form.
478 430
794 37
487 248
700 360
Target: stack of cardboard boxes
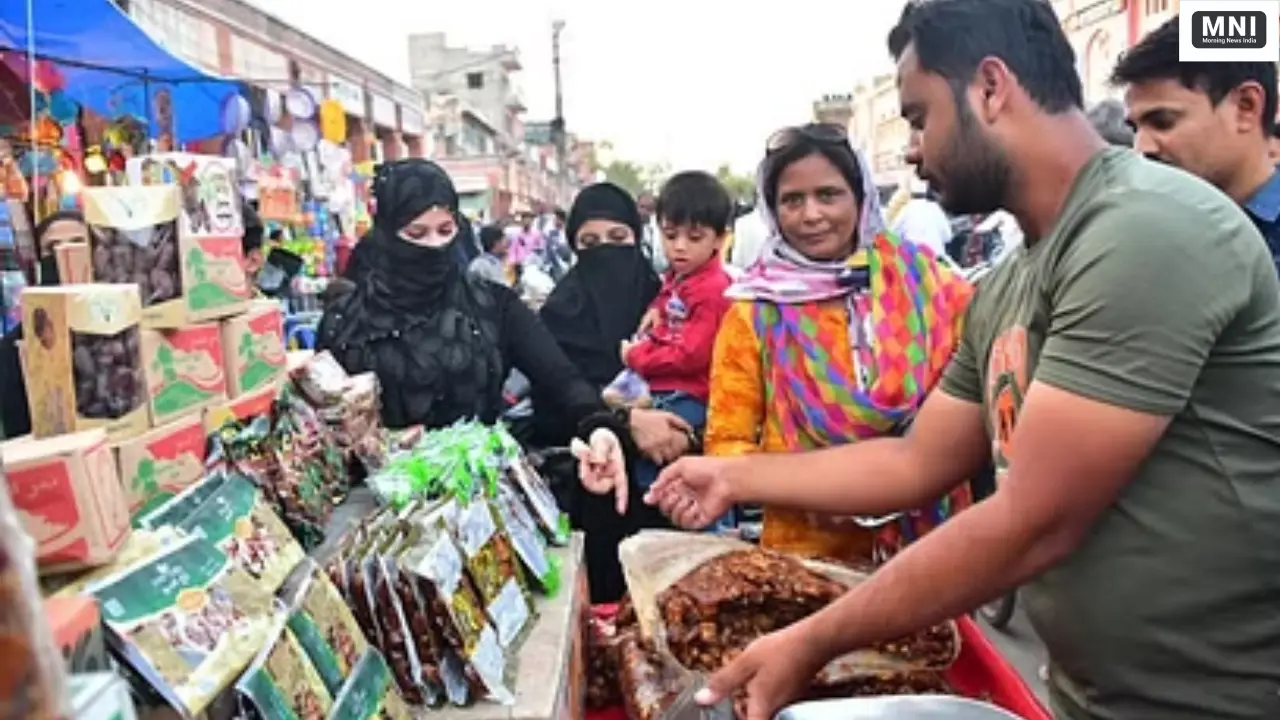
126 379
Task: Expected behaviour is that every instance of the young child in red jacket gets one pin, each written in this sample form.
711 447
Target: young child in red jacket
672 352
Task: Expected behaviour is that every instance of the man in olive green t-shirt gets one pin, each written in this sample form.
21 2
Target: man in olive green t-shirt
1124 372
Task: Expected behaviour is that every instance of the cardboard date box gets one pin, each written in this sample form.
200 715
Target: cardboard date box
245 407
184 370
135 236
253 344
210 188
69 498
82 360
162 463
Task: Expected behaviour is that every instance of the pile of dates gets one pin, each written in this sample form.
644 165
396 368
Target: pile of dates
108 374
147 257
715 611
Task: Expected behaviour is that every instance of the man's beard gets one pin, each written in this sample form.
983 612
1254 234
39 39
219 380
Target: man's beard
974 171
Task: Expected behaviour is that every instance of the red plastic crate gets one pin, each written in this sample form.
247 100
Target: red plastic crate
982 672
979 672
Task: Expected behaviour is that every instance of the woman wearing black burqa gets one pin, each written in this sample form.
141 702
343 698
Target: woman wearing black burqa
441 343
598 304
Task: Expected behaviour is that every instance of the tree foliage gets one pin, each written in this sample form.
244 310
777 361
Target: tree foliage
741 187
628 175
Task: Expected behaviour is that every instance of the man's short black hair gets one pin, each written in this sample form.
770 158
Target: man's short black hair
695 198
1155 57
561 215
490 236
952 36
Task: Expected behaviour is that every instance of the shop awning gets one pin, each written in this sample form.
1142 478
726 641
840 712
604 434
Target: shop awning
111 66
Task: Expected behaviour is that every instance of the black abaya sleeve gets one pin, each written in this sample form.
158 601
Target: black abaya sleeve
15 419
530 348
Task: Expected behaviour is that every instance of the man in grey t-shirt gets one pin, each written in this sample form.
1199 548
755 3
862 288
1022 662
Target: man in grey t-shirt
1123 371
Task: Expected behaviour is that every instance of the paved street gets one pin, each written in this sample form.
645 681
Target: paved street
1020 646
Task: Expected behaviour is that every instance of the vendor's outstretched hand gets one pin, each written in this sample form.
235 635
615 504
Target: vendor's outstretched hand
693 491
774 670
601 466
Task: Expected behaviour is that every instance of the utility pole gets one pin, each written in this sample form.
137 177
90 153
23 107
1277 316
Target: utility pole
558 135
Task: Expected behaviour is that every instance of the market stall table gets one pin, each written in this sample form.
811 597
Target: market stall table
550 662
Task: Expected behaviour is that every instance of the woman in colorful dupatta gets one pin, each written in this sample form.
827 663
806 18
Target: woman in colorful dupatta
837 334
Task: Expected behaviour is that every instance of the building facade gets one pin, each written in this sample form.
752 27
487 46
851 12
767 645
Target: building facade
1100 30
484 79
877 129
385 119
502 165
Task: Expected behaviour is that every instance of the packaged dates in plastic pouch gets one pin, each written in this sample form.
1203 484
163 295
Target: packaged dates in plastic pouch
188 621
305 440
282 684
529 545
237 519
541 501
323 624
321 379
371 450
397 643
442 667
370 693
494 568
358 412
177 508
457 608
650 684
250 449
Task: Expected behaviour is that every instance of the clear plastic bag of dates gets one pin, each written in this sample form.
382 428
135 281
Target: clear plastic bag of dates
322 380
128 249
108 374
31 662
684 587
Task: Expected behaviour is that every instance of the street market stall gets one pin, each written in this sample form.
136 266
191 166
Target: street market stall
225 529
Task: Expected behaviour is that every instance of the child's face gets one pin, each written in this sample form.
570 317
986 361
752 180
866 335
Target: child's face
688 246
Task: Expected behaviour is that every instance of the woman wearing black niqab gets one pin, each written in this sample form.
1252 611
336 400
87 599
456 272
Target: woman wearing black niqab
601 300
598 304
442 342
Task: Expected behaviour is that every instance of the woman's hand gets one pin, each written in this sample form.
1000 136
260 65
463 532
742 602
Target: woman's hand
660 435
601 466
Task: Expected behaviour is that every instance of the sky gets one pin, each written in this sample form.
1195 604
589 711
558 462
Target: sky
690 83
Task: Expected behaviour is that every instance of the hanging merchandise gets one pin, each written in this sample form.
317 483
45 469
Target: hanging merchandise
273 107
235 114
300 104
280 142
304 135
62 109
333 122
278 194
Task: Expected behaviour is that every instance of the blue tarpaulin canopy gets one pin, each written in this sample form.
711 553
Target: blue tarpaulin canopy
112 66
